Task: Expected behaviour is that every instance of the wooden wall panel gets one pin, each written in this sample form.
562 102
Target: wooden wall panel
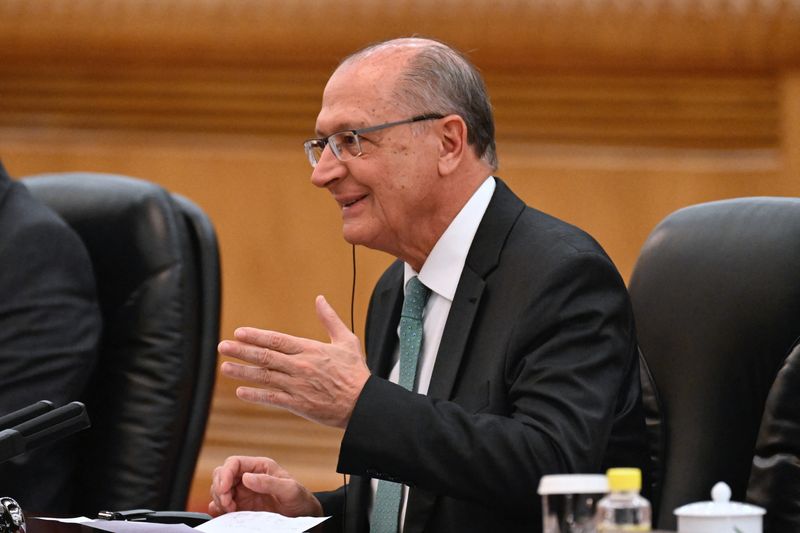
790 123
708 35
609 114
666 110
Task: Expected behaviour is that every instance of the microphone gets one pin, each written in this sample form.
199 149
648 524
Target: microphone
37 425
26 413
12 442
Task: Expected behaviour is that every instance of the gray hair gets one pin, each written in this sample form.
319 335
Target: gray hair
439 79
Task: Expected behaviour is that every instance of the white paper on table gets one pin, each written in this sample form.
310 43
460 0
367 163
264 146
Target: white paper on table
135 526
75 520
259 522
124 526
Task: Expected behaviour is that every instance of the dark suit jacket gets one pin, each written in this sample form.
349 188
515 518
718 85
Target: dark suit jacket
49 331
537 373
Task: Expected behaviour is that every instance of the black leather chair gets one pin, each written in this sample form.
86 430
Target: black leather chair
157 268
775 477
716 296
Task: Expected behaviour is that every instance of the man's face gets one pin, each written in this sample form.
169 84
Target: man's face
390 190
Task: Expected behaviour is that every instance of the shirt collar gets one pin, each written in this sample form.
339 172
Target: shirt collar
442 269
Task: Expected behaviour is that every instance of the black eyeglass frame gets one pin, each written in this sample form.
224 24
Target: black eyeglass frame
322 142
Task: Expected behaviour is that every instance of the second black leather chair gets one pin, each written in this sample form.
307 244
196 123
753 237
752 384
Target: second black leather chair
775 478
716 296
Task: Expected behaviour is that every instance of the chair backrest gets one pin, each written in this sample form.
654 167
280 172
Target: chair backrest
716 296
156 264
775 477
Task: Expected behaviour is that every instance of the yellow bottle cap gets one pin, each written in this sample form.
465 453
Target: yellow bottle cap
622 479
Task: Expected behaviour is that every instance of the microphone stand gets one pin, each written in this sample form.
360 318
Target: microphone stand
28 428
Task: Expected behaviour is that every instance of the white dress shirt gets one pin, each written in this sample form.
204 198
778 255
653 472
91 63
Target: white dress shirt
441 273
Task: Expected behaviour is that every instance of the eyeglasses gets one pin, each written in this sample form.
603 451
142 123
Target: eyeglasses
346 145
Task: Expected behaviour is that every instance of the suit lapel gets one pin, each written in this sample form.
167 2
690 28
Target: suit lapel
456 333
483 257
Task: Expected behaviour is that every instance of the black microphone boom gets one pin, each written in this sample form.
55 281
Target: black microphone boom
37 425
26 413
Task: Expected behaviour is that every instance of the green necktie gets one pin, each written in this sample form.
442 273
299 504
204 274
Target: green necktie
386 507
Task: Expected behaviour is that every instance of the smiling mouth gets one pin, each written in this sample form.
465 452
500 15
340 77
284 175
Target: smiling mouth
350 203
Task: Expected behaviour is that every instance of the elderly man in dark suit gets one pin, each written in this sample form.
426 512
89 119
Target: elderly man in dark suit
49 331
500 346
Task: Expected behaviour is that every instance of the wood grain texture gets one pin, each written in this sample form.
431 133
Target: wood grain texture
647 34
789 93
668 110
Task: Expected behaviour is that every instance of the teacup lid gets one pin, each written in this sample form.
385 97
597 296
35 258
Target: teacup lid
721 505
573 484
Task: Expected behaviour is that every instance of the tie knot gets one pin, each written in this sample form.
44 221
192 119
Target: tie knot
415 299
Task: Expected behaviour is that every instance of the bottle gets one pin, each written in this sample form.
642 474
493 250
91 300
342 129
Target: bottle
623 509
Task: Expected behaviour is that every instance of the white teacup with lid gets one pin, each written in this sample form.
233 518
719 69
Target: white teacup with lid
720 515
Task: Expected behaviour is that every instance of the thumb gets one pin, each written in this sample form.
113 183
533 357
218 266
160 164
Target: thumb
261 483
337 330
282 489
258 483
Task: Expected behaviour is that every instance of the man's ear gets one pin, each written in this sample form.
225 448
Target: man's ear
452 143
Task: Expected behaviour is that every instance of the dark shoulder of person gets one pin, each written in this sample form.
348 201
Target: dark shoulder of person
50 327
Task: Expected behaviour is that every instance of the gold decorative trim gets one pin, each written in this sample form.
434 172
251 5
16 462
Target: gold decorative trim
646 34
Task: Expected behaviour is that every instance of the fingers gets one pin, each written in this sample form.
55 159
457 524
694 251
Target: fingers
242 464
271 377
316 380
226 484
279 342
227 476
259 484
292 498
275 398
221 490
337 330
213 510
267 484
263 357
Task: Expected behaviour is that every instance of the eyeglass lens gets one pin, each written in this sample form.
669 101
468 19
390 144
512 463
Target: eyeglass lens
345 146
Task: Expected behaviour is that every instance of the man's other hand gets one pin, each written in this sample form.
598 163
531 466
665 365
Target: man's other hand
259 484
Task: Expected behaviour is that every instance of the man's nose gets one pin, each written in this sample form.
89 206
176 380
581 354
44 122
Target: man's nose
328 170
